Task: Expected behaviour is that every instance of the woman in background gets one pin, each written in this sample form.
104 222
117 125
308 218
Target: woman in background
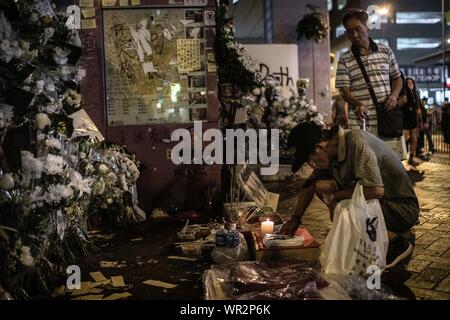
412 119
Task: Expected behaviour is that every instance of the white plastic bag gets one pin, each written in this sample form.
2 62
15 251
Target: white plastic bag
358 238
398 145
222 255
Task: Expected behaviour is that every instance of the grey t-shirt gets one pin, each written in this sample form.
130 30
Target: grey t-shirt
371 161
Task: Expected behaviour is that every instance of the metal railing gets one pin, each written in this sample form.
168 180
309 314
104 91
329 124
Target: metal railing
437 134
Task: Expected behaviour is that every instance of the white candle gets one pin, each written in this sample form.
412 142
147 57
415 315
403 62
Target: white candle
266 227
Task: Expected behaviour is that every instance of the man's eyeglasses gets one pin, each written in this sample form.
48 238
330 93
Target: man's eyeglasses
350 32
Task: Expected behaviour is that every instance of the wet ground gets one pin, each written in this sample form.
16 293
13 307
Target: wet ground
142 251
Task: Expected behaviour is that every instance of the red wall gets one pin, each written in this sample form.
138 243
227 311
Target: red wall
145 141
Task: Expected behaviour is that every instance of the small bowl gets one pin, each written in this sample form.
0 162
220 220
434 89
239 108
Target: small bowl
186 236
192 249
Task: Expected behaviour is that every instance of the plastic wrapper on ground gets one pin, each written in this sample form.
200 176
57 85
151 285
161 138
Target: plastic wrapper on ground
299 280
254 280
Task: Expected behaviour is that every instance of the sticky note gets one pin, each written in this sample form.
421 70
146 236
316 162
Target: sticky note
88 12
160 284
97 276
117 296
88 24
86 3
117 281
109 3
181 258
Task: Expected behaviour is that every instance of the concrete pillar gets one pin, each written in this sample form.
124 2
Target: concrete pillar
314 58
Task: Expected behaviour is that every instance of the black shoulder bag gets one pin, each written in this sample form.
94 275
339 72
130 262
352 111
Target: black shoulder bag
390 123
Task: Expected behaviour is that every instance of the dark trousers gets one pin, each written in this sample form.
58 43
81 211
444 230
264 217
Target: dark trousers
421 140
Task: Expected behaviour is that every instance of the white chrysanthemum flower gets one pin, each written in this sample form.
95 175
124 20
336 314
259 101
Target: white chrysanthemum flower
50 87
103 168
123 182
48 34
8 113
37 194
54 164
31 166
40 137
6 181
60 56
111 176
58 192
256 91
53 143
89 168
80 184
42 120
25 257
99 187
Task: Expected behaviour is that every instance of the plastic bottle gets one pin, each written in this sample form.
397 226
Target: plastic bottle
221 237
232 238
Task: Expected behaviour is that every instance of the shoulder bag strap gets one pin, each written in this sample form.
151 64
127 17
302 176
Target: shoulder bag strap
366 77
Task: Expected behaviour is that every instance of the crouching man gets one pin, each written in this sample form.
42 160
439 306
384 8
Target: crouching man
342 158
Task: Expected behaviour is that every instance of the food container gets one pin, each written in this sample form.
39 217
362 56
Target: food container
186 236
192 249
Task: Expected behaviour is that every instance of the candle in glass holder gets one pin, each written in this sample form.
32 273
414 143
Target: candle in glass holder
266 227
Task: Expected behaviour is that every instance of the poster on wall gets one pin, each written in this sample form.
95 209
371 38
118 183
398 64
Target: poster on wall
278 60
155 66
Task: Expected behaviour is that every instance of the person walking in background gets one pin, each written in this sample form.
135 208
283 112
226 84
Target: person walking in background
411 119
445 123
339 112
424 131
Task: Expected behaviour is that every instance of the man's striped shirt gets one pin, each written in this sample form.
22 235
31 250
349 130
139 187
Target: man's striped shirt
381 66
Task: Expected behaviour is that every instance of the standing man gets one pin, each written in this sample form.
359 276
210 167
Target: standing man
381 67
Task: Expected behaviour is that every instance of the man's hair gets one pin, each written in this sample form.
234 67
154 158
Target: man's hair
304 138
446 99
359 14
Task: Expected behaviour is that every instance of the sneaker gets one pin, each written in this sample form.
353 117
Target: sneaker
399 249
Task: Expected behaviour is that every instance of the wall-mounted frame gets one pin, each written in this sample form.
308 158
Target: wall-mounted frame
155 66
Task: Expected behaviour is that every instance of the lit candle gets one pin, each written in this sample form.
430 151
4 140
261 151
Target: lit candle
266 227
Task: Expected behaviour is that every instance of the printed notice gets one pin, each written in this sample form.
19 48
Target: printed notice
86 3
109 3
88 24
88 12
188 55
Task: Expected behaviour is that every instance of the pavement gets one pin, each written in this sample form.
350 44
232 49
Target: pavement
143 250
426 274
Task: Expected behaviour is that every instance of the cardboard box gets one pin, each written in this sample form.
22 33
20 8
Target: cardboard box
310 249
